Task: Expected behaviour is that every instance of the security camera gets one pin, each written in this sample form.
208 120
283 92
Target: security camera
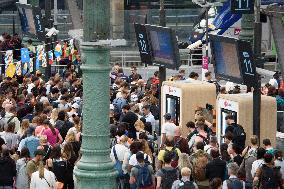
199 2
51 32
195 45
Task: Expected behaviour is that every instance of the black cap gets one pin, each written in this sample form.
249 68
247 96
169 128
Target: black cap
168 116
39 152
30 131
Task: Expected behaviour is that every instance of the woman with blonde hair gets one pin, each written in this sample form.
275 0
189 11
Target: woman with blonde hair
24 126
71 138
76 129
250 150
118 153
54 116
140 127
146 148
43 178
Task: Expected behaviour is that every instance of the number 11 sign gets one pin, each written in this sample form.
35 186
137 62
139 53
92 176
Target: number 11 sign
242 6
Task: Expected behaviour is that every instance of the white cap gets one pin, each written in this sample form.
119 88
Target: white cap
75 106
111 107
274 83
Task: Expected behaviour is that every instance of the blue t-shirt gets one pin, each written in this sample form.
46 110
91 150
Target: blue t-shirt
280 102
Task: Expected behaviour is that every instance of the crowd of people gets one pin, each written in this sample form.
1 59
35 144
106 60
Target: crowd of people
172 161
40 138
40 130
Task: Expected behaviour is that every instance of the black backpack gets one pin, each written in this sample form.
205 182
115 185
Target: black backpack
268 177
234 183
169 176
174 156
59 170
239 136
186 185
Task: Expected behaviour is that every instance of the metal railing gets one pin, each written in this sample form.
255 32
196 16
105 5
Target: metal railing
128 58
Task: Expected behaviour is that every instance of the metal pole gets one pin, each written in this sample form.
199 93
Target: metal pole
55 12
257 55
205 60
207 36
48 39
257 30
162 70
257 106
14 29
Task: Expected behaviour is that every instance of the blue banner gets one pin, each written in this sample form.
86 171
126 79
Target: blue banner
268 2
25 55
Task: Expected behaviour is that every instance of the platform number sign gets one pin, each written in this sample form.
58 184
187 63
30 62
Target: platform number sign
247 63
38 21
142 43
242 6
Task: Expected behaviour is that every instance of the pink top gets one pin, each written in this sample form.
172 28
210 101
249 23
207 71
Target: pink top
39 130
51 138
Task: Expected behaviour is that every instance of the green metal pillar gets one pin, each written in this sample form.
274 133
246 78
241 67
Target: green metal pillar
95 169
247 31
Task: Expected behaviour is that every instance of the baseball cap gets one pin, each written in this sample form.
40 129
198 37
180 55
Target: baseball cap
167 116
111 107
30 131
75 106
39 152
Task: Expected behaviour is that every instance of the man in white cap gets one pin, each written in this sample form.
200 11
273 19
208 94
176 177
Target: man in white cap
73 112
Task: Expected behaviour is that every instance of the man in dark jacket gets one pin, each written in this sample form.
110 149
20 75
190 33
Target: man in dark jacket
63 124
7 170
217 167
130 118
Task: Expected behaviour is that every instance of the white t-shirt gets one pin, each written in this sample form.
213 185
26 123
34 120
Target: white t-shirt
133 161
30 87
120 152
48 182
255 165
168 129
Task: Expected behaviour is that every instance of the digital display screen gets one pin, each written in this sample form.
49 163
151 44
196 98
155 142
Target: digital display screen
173 107
161 47
233 60
226 58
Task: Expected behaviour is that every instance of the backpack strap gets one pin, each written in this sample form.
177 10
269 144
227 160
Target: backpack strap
47 151
208 149
114 153
11 118
201 136
146 159
177 142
